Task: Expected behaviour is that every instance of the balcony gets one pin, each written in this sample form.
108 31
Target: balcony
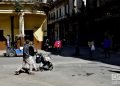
29 1
16 0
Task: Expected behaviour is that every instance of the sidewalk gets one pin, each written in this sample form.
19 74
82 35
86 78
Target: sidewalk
2 52
69 51
98 55
39 51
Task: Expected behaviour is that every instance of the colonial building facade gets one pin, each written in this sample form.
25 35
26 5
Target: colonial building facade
20 19
63 22
103 16
78 21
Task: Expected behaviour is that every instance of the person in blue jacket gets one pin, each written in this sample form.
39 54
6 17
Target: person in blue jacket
107 45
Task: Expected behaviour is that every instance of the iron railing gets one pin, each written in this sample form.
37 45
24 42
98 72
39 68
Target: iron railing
17 0
42 1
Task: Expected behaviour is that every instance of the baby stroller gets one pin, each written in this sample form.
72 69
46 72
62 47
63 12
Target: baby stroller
44 62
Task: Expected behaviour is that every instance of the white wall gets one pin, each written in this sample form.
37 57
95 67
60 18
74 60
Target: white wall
71 7
63 15
77 5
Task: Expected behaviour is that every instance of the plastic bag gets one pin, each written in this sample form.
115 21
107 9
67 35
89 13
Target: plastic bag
92 47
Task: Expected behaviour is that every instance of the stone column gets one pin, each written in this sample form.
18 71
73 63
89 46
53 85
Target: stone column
85 1
21 28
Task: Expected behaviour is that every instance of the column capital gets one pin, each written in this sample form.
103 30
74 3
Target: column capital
21 13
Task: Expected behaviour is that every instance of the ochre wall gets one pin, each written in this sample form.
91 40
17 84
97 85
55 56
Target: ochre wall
31 22
5 24
6 6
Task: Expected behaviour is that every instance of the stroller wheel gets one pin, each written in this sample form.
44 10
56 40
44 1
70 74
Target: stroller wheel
50 67
41 69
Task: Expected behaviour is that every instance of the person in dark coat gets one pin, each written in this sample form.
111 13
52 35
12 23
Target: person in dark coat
107 45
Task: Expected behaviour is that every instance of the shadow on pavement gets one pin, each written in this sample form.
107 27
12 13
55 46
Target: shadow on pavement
69 51
115 71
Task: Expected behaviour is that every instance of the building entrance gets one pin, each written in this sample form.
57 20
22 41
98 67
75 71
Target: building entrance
29 35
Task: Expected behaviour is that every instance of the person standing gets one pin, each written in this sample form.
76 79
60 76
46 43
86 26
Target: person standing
91 46
8 41
58 46
47 44
107 45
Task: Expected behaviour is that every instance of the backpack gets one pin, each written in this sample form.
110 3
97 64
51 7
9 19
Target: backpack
26 51
31 50
92 47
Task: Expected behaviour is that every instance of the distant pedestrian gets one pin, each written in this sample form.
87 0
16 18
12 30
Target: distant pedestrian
47 44
8 41
58 46
107 45
91 46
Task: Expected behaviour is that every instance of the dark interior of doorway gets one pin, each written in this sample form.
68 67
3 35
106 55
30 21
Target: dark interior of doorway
2 38
29 35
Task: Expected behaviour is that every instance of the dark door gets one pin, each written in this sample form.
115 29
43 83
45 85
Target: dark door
2 38
29 35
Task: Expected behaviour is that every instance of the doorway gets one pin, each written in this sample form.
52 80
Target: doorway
29 35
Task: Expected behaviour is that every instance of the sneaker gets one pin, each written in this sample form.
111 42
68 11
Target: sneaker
38 69
17 72
31 73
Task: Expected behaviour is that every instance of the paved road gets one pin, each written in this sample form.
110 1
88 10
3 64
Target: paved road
68 71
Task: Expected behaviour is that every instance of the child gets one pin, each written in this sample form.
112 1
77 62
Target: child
91 48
